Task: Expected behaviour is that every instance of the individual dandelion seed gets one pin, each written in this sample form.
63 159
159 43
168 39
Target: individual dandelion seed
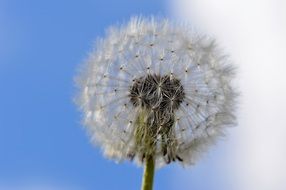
156 92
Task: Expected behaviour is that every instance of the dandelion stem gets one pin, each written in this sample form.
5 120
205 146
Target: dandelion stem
148 176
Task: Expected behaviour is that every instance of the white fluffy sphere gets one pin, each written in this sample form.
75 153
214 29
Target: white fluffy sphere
152 87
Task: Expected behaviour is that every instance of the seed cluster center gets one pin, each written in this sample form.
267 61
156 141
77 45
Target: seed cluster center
156 92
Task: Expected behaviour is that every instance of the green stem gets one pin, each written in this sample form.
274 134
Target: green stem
148 176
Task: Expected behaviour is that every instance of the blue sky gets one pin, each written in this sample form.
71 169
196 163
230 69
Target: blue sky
41 139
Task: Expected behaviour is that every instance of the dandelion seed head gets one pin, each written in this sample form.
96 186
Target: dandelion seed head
153 87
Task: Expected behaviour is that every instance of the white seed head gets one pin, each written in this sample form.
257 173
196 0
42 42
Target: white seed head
156 88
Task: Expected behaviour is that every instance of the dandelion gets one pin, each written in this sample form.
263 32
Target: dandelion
156 92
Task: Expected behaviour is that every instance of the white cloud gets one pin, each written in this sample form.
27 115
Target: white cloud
253 32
